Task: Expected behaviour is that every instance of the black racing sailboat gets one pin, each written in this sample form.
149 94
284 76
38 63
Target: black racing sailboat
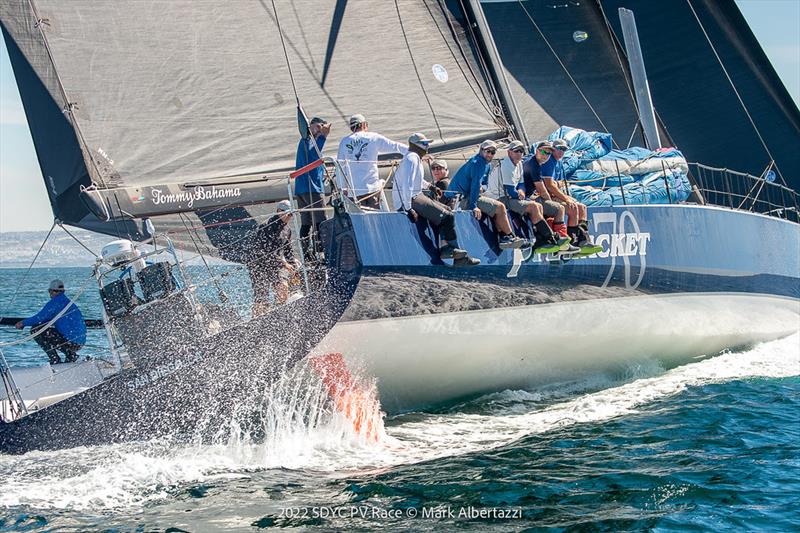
143 126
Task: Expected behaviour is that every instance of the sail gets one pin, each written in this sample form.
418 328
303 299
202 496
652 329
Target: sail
563 67
149 93
566 66
693 96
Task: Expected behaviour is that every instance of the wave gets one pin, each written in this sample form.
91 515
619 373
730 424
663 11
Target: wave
306 432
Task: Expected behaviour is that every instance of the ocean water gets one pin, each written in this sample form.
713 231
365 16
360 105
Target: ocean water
711 445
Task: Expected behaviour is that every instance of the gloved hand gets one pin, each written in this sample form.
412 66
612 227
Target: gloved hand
412 216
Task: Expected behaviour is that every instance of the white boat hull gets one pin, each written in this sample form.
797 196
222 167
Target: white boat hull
424 360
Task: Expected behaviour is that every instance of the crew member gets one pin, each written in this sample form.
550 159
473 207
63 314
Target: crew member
536 165
309 188
578 227
358 157
67 334
272 264
441 179
467 182
506 185
408 197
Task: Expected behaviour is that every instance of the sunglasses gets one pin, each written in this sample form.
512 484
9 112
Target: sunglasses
437 167
490 151
518 150
544 151
560 148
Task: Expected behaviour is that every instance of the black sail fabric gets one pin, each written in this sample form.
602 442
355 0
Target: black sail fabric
693 96
563 67
192 90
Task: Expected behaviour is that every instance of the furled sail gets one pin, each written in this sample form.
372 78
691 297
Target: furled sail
151 93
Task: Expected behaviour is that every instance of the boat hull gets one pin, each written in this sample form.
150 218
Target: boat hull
673 283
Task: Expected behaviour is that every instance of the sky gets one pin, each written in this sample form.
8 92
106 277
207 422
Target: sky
23 200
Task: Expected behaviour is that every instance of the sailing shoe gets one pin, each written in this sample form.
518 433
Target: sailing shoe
511 241
545 247
448 251
466 261
571 249
564 243
587 247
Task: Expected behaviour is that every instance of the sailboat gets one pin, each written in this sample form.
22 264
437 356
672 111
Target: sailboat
175 123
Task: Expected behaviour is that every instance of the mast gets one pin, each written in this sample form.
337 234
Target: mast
498 71
644 102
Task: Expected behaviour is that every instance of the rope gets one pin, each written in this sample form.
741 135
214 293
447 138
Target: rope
77 240
416 71
285 53
482 98
25 276
566 71
733 86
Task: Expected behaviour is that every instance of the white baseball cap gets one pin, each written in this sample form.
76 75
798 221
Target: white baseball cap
485 145
420 140
283 205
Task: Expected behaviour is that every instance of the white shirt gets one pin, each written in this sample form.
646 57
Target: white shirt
408 181
506 173
358 158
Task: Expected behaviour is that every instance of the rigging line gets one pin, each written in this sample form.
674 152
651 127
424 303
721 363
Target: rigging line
482 61
40 23
482 99
736 92
285 53
60 225
35 257
566 71
220 292
416 71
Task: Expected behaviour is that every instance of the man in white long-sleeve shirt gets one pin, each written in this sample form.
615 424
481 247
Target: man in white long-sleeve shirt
358 158
408 197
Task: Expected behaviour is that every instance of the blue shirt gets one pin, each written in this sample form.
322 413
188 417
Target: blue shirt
558 172
311 181
70 325
469 178
533 172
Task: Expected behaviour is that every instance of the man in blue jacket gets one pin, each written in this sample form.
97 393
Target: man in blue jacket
310 187
67 335
468 181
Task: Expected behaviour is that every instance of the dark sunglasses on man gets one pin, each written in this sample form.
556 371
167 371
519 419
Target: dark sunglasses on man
437 167
518 150
490 151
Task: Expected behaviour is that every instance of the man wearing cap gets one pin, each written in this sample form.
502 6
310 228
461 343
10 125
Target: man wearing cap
309 188
358 158
407 197
272 263
506 185
441 179
577 214
467 182
67 334
535 168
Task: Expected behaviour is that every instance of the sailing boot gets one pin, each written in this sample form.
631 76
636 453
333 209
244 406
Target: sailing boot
466 261
546 241
451 251
585 243
511 241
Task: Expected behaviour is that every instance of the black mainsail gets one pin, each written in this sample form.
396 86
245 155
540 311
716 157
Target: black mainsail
567 66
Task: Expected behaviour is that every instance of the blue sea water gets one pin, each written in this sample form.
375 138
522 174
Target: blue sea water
712 445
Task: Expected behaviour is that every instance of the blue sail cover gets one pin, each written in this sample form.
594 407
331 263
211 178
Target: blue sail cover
601 176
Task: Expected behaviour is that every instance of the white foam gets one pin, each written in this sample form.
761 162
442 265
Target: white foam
306 434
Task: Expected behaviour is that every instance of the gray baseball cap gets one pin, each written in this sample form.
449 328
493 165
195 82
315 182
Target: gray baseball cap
56 285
